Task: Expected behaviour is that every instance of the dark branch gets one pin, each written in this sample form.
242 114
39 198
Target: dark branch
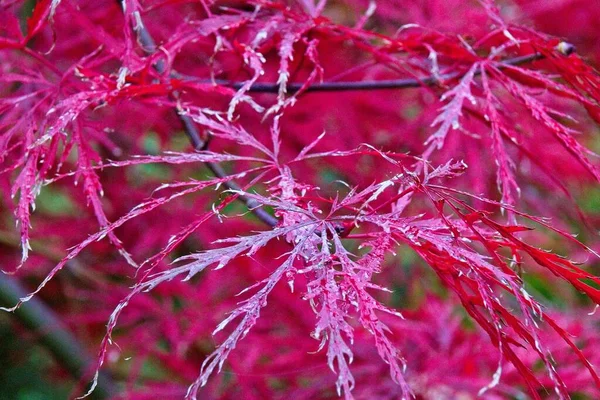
54 335
149 47
362 85
252 204
219 172
199 143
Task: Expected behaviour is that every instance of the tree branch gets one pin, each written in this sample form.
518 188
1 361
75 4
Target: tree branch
404 83
149 46
199 143
54 335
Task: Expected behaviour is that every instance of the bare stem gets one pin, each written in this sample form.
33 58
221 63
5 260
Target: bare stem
404 83
149 47
54 335
199 143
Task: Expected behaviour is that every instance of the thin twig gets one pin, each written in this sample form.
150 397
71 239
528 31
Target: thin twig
404 83
149 47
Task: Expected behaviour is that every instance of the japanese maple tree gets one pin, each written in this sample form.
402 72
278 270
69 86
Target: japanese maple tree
225 199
